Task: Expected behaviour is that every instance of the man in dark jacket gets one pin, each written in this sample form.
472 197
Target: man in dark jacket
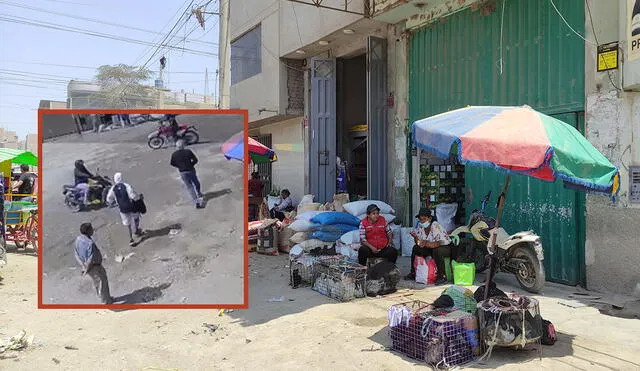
185 160
124 195
174 126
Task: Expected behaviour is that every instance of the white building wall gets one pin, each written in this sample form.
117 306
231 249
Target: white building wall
261 91
613 126
304 24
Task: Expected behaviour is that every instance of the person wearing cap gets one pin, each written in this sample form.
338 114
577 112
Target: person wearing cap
185 161
431 240
376 237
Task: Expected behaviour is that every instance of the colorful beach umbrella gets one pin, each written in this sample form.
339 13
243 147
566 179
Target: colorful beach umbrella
259 153
519 140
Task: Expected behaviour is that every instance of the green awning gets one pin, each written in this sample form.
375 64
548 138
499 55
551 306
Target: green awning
17 156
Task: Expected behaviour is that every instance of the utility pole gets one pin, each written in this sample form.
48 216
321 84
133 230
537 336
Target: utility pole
224 57
206 82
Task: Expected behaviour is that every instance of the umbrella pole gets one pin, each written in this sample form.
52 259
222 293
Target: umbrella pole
493 239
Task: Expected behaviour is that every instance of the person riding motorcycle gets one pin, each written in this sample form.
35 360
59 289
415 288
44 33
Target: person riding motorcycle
82 177
174 125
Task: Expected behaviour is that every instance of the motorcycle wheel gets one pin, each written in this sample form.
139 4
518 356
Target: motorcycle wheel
190 137
73 205
156 142
530 274
480 256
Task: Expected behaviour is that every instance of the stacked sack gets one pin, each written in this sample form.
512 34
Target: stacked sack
320 229
350 242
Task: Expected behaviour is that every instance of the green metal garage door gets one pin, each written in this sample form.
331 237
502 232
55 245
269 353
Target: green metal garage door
457 62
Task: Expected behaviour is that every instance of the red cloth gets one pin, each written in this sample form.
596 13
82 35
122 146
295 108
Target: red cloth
376 233
255 187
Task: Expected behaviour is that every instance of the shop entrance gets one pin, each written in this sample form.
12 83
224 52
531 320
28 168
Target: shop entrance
351 125
349 121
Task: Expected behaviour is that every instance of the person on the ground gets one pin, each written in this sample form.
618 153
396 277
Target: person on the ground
376 237
185 160
90 259
284 205
173 124
124 195
24 185
431 239
255 185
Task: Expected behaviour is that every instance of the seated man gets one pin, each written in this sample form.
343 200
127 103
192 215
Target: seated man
376 238
431 240
285 204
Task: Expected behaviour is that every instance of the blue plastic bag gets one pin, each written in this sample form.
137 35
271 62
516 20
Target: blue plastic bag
335 217
325 236
337 228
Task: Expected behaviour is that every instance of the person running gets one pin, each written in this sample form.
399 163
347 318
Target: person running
89 257
185 160
124 195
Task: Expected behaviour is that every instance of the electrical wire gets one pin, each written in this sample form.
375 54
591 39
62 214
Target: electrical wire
595 36
122 26
141 56
76 66
26 21
568 25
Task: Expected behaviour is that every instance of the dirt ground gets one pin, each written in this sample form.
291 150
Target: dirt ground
305 331
202 264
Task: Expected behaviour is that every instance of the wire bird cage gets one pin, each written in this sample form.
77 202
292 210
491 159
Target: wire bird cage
340 279
509 322
301 269
443 338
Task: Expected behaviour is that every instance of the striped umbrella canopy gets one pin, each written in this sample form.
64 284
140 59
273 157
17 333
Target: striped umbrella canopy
519 140
259 153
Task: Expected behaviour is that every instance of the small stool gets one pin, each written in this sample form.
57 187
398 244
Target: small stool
373 261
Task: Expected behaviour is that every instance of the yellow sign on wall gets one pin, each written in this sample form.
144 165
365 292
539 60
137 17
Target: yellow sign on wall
608 57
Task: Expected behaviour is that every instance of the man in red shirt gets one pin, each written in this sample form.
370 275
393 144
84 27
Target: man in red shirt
255 185
376 237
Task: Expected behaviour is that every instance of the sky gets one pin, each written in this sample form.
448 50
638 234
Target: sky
36 62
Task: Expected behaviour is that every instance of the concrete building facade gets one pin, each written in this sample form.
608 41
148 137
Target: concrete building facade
430 69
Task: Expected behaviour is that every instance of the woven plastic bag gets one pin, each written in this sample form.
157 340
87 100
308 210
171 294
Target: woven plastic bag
463 273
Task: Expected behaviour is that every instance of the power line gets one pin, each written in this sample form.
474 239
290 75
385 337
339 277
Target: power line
139 57
168 35
94 20
86 67
26 21
595 36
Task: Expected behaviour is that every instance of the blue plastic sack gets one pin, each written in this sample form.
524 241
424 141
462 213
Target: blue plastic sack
335 217
336 228
325 236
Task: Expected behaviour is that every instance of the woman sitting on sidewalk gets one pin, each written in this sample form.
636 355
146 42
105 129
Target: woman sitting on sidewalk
431 240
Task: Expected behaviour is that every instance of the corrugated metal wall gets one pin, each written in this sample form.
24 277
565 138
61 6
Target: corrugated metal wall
457 62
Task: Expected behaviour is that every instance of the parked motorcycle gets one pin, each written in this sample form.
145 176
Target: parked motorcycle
520 254
157 139
98 190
